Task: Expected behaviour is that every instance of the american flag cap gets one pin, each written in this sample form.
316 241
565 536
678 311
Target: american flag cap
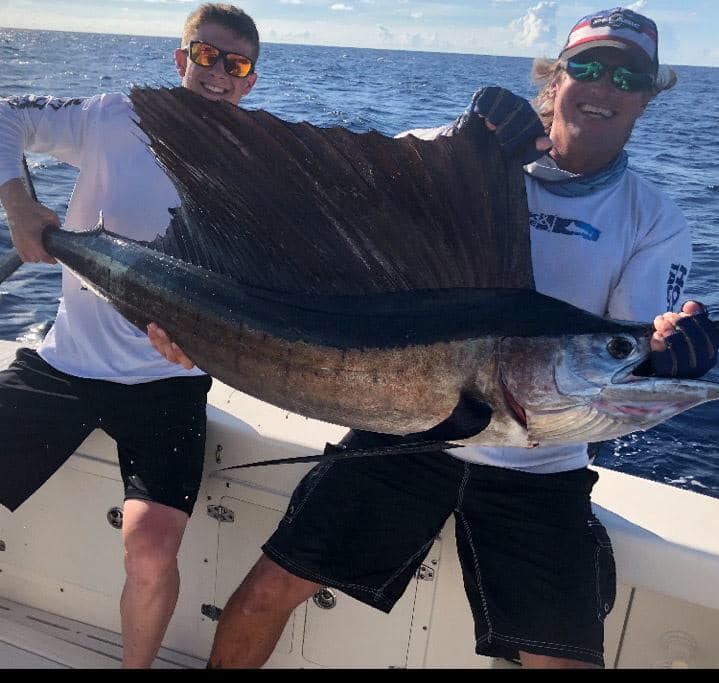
620 28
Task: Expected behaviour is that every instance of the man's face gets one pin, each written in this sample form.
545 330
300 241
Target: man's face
214 82
595 118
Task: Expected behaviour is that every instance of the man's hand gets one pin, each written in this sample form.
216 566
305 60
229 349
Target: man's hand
165 346
519 130
684 344
27 219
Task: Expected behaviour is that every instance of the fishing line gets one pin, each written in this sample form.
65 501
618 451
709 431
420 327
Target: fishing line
11 261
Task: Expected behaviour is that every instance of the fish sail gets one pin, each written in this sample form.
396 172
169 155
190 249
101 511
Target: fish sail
295 208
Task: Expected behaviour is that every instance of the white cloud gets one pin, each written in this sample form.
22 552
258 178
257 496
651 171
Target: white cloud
385 35
292 2
340 7
291 36
637 6
407 40
537 27
416 15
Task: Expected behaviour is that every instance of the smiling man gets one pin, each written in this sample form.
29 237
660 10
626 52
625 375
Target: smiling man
94 369
214 60
601 86
637 239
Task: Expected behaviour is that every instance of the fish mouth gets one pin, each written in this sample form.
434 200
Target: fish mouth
641 410
646 396
515 409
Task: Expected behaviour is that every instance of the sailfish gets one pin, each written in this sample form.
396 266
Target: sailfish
384 284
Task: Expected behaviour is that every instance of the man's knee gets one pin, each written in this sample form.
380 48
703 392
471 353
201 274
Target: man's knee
269 586
150 568
152 534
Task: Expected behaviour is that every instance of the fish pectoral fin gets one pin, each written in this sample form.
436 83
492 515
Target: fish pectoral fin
470 416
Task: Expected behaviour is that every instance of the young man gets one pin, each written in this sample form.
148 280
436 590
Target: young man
538 565
94 369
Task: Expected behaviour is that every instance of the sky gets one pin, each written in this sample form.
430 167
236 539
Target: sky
526 28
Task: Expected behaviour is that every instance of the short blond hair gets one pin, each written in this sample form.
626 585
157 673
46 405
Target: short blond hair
546 74
229 16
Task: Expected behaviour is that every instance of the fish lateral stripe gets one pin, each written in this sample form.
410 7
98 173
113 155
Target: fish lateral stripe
375 320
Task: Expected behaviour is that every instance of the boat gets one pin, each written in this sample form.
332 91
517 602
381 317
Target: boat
61 564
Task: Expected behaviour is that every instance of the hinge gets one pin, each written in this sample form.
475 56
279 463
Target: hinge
221 513
425 573
212 612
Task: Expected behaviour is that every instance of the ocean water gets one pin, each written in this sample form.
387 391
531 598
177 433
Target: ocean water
675 144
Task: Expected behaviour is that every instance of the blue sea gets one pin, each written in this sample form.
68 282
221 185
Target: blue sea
675 144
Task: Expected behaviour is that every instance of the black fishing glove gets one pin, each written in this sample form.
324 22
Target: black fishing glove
691 352
518 125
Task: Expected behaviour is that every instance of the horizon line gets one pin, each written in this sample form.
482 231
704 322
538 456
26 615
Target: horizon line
344 47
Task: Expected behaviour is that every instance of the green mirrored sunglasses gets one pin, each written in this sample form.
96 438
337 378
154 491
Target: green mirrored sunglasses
622 77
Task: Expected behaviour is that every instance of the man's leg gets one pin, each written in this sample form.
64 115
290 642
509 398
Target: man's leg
160 432
530 661
360 525
537 565
255 615
152 534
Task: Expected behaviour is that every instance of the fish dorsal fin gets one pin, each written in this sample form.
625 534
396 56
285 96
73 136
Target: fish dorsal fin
296 208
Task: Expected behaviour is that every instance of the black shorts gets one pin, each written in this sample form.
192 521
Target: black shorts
159 428
538 566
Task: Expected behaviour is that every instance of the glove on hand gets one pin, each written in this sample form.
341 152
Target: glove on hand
691 352
518 125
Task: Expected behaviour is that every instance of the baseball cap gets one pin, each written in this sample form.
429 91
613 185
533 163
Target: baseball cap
620 28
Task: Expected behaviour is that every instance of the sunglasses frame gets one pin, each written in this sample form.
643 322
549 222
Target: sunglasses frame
596 69
222 54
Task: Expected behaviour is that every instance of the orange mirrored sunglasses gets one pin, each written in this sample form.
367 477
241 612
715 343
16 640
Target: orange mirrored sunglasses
205 54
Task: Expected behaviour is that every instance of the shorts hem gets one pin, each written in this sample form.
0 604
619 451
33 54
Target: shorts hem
507 647
365 595
166 503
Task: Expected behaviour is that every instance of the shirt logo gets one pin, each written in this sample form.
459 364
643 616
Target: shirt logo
563 226
675 284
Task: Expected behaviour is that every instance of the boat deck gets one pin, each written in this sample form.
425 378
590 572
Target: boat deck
34 639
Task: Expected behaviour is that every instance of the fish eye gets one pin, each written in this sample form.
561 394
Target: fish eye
620 347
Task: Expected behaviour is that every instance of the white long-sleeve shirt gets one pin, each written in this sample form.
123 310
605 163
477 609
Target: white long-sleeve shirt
118 176
622 252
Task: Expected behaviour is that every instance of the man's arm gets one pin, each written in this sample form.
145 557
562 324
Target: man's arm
49 125
685 340
27 219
